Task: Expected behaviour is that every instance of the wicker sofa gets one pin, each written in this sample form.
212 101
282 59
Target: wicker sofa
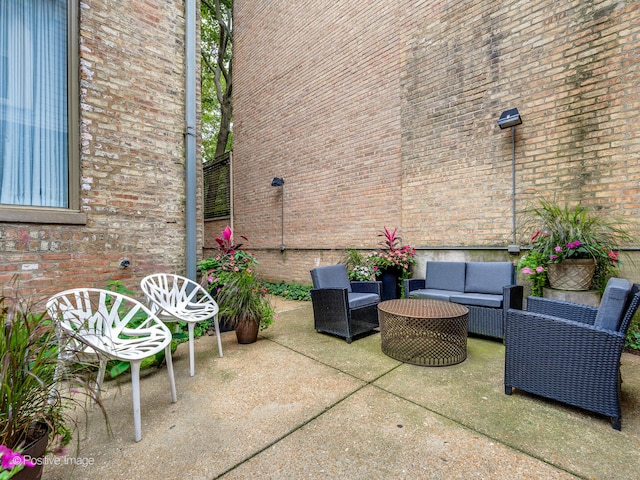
486 288
570 352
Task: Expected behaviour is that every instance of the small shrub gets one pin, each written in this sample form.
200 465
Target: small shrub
290 291
633 333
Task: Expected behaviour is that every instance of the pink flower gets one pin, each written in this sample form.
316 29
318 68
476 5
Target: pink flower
226 233
558 249
12 459
539 269
527 271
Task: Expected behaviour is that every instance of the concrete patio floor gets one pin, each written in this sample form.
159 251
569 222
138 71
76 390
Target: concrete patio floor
300 404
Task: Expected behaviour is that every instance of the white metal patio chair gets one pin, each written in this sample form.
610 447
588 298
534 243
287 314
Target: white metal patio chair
113 326
174 299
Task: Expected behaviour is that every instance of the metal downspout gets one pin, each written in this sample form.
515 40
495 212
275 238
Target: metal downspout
190 136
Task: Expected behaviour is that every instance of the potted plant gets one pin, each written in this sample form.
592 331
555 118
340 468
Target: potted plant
244 303
359 266
34 416
572 247
230 261
392 263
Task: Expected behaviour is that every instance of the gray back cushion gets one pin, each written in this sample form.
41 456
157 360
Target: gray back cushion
445 276
333 276
613 303
488 277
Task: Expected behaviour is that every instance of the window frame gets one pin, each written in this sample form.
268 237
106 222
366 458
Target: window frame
72 214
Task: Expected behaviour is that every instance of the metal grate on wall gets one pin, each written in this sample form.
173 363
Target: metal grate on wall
217 199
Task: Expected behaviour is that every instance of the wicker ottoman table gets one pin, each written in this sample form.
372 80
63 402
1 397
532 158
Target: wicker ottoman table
424 331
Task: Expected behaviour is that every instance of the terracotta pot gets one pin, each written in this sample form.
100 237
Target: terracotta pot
34 451
247 332
571 274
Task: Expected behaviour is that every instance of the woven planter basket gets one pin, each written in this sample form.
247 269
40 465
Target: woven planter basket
572 274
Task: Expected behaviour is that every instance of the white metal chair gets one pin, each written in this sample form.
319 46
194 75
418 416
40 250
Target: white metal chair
112 326
177 299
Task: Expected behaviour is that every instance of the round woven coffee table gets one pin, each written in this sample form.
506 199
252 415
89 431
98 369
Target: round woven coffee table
424 331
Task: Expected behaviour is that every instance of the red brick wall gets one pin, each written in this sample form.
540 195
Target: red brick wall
385 114
132 158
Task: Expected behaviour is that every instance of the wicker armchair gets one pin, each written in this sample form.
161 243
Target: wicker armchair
569 352
342 307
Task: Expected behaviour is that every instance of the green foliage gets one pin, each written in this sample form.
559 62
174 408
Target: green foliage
30 372
575 232
633 333
216 37
359 266
533 266
290 291
243 299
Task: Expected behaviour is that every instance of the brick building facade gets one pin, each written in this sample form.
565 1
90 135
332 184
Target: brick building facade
132 158
385 114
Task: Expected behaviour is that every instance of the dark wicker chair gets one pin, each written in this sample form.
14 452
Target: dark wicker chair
341 307
569 352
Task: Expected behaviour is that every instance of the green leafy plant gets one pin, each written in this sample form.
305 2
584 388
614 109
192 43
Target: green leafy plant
359 266
230 261
31 373
393 255
244 299
533 266
290 291
561 233
633 333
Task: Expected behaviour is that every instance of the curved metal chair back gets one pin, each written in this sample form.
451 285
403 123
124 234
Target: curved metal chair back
112 325
174 298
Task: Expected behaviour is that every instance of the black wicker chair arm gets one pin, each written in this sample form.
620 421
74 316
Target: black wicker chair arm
367 287
413 284
513 297
566 332
573 311
330 293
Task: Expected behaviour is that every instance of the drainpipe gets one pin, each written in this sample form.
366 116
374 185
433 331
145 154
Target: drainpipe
190 136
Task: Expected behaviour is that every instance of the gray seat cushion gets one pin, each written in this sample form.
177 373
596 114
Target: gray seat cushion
332 276
358 300
433 293
478 299
445 276
612 305
488 277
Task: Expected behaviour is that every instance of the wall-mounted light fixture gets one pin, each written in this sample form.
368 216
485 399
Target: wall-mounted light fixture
279 182
511 118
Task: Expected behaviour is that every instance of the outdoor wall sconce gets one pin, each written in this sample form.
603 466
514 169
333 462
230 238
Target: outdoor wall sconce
279 182
511 118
